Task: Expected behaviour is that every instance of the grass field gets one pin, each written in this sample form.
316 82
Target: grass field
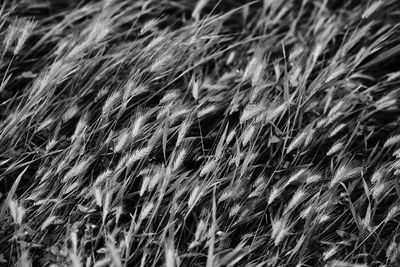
200 133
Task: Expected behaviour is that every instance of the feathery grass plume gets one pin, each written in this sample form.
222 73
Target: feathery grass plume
156 41
71 187
335 112
141 118
254 67
297 197
230 136
298 140
227 194
339 70
17 211
275 110
329 253
122 139
386 102
377 176
393 212
372 9
345 171
45 124
392 141
392 252
396 154
48 222
393 76
145 184
195 86
195 195
139 154
251 111
70 113
310 136
335 148
51 144
280 230
206 111
10 37
178 114
248 134
208 167
304 213
162 62
111 101
179 159
150 25
337 129
377 190
80 128
103 178
183 129
294 177
275 192
313 178
78 169
25 31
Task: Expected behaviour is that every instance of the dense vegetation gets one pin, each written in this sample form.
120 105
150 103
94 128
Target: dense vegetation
199 133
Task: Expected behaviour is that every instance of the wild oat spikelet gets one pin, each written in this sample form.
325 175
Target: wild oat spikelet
392 141
275 110
377 176
248 134
251 111
250 68
297 197
70 113
386 102
329 253
208 167
377 190
78 169
122 139
194 196
179 158
48 222
294 177
298 141
146 210
279 230
161 62
17 211
26 30
345 171
304 213
183 130
275 192
337 129
372 9
393 212
335 148
149 25
137 155
207 110
313 178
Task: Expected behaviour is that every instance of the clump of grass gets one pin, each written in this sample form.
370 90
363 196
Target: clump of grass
199 133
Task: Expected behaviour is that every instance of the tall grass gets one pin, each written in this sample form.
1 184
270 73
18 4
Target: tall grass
199 133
